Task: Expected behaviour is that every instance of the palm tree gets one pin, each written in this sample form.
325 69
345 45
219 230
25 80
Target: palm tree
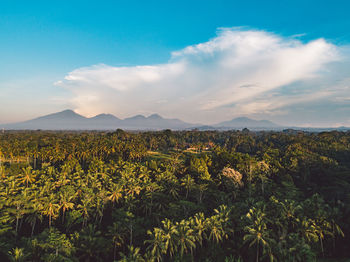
201 189
62 179
115 231
34 216
200 224
17 255
217 232
169 237
50 208
19 202
66 202
1 156
186 237
115 193
2 172
307 230
187 182
321 229
84 208
257 234
173 189
132 256
262 171
27 177
156 243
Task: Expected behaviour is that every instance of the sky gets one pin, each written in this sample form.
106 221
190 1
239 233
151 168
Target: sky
200 61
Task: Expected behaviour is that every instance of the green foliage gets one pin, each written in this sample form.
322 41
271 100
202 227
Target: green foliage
174 196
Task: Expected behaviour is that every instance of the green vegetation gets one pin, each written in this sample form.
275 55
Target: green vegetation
174 196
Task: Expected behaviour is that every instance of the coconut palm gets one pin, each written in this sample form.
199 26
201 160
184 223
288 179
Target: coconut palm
200 224
132 256
50 208
257 232
216 230
155 243
66 202
186 237
188 183
118 235
84 208
17 255
169 235
34 216
27 176
115 193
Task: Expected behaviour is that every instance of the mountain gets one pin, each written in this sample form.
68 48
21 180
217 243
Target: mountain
69 120
154 122
102 122
66 119
245 122
105 117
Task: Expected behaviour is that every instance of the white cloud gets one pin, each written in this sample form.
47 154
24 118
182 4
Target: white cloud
238 72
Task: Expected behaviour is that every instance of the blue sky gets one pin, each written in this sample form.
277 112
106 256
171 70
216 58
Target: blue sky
47 47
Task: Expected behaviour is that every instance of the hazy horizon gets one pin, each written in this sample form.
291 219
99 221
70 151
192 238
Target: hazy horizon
202 64
194 124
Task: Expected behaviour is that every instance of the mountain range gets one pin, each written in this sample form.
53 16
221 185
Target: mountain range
246 122
69 120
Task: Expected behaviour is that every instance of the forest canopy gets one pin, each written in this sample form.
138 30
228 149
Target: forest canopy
174 196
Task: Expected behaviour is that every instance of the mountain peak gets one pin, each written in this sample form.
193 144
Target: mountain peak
68 113
241 122
137 117
105 117
243 118
155 116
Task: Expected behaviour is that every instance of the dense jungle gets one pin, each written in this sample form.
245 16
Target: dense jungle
174 196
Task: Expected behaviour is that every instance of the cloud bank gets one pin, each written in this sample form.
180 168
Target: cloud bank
237 73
